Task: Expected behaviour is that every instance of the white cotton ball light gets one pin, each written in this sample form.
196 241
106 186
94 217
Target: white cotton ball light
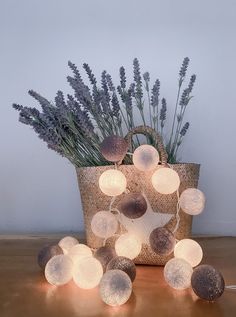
177 273
128 245
78 251
67 243
189 250
165 180
104 224
192 201
145 158
87 272
59 269
112 182
115 288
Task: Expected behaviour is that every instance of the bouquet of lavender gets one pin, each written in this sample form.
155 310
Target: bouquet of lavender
75 126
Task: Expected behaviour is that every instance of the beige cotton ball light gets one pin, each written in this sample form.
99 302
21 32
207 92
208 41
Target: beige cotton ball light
78 251
104 224
177 273
67 243
145 158
192 201
128 245
189 250
59 269
87 272
112 182
115 288
165 180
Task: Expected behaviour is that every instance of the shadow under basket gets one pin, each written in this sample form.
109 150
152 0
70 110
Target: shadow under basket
93 200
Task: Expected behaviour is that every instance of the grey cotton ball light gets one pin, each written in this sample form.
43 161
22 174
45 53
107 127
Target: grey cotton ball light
162 241
46 253
114 148
177 273
133 205
104 255
207 282
115 287
124 264
59 269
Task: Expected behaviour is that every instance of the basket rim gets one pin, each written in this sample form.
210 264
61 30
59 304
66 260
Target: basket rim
98 166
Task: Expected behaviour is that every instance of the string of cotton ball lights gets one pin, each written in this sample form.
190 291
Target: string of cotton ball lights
112 269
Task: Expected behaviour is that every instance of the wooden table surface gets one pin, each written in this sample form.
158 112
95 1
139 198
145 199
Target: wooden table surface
25 293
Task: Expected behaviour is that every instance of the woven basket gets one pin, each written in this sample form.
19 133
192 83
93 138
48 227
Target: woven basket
93 200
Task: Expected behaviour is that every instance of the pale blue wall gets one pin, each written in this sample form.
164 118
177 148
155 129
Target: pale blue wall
38 189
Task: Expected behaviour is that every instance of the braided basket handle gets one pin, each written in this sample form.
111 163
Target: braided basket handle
156 138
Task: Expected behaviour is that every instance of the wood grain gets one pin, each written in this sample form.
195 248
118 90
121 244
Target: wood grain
25 293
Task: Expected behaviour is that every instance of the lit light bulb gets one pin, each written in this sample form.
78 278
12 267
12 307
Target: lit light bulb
112 182
58 270
115 288
128 245
192 201
165 180
145 158
104 224
177 273
189 250
78 251
67 243
87 272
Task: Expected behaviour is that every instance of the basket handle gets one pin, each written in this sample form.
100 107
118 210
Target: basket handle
156 138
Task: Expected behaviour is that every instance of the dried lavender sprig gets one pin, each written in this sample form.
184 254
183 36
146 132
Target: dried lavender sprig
146 77
122 77
138 90
183 69
163 114
184 100
90 74
182 74
182 133
155 103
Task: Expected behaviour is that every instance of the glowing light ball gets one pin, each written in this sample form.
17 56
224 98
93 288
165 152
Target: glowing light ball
189 250
46 253
124 264
165 180
128 245
114 148
162 241
58 270
177 273
78 251
192 201
207 282
145 158
115 288
67 243
133 205
104 224
112 182
87 272
104 255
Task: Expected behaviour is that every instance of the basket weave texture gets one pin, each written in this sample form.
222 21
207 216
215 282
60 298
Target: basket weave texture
93 200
